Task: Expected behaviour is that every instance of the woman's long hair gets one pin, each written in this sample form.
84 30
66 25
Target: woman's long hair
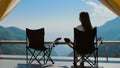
85 21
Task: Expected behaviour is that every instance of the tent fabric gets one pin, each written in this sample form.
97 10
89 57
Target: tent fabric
113 5
6 6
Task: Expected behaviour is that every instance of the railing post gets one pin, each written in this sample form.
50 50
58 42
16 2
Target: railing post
106 53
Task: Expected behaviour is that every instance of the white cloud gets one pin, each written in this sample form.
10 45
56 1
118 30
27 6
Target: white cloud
100 14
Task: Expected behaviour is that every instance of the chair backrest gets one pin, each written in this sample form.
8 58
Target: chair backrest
35 38
84 40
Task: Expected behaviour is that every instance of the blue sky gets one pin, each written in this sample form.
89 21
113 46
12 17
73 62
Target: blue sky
58 17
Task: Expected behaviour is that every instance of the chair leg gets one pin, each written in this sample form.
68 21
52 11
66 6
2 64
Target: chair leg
27 57
82 62
90 62
96 58
75 58
49 57
51 60
33 57
46 56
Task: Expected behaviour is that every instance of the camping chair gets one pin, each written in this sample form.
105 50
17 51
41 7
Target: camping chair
85 44
36 48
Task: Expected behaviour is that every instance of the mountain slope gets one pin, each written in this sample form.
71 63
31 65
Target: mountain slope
110 30
18 33
11 33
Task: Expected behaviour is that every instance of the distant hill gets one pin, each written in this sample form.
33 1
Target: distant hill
11 33
18 33
110 30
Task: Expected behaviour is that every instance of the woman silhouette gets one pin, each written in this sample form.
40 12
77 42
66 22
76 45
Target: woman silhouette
85 22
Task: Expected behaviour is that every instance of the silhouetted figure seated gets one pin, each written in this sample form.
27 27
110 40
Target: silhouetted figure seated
85 24
84 45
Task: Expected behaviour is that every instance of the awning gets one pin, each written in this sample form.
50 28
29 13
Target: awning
113 5
6 6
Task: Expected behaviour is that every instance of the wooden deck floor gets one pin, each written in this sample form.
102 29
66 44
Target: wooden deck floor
18 61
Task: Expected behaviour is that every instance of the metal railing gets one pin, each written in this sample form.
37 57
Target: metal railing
106 43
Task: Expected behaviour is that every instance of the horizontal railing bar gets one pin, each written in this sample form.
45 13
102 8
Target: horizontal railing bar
106 43
48 42
12 42
110 42
22 42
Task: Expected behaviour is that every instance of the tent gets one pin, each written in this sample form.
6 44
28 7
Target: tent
6 6
113 5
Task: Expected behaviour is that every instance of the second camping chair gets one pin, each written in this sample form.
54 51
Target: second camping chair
35 46
85 44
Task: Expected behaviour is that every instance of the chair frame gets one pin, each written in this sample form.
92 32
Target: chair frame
35 54
82 59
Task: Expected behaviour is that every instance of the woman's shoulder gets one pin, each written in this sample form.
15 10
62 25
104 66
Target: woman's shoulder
80 27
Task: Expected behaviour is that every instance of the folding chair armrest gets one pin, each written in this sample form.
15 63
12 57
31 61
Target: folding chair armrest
99 41
55 42
68 41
